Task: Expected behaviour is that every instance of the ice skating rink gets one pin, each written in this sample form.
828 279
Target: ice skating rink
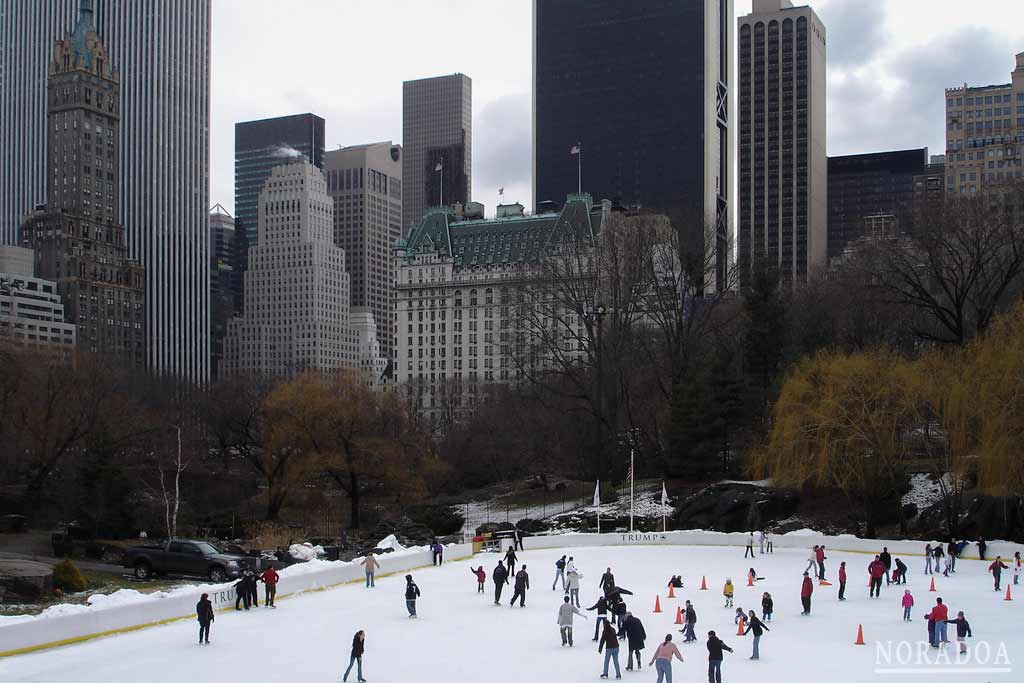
461 636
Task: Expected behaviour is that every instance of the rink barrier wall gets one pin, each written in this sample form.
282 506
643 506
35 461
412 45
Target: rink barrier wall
844 543
43 633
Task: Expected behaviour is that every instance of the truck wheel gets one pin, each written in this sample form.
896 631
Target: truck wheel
218 575
143 570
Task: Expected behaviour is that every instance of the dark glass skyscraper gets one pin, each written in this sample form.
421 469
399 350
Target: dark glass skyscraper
262 145
643 86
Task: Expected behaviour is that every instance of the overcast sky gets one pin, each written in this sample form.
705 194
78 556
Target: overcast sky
345 60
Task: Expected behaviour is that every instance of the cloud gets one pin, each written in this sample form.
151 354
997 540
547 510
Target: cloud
504 161
856 31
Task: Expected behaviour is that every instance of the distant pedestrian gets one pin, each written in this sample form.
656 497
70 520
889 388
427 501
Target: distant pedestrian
254 588
981 548
762 537
820 557
632 629
952 551
757 626
997 568
750 546
204 613
356 657
573 585
886 559
908 603
875 571
602 614
928 558
517 537
1016 568
570 566
370 565
565 615
559 573
938 553
521 586
499 575
715 656
690 624
768 542
412 592
963 631
806 589
662 659
243 594
609 643
767 606
842 581
438 550
269 577
510 560
607 582
728 590
481 577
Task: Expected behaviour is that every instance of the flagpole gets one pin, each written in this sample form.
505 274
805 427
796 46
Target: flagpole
632 476
441 172
597 499
579 172
664 528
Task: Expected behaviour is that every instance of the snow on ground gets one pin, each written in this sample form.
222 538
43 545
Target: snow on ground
461 636
925 491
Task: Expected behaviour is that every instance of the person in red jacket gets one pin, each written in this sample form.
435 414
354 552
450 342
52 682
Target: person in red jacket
481 578
877 570
842 580
819 555
269 578
805 594
997 568
939 614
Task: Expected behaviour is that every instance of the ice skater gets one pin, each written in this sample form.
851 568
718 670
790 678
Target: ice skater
886 559
740 615
762 537
997 568
565 614
412 592
204 613
951 553
750 546
370 565
819 556
812 562
517 538
806 589
690 624
602 614
842 581
908 603
609 643
510 560
875 571
928 558
570 566
728 590
607 582
900 573
632 629
676 582
662 659
1016 568
559 572
939 614
715 656
438 550
981 548
500 577
938 553
356 657
963 631
270 578
757 626
521 586
767 606
481 577
243 593
768 542
573 586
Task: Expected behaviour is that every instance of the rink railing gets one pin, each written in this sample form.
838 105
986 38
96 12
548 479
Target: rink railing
43 632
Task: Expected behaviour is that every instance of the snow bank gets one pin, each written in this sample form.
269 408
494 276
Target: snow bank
391 542
304 552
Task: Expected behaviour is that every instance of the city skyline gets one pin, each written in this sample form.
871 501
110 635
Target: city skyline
889 61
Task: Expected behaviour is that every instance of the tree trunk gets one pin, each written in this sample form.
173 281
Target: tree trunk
353 496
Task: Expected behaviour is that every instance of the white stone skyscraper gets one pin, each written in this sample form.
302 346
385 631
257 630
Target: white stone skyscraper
296 289
162 48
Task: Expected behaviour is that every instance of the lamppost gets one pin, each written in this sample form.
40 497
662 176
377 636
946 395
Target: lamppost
596 313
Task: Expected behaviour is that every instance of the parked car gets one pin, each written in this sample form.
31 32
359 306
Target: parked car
187 558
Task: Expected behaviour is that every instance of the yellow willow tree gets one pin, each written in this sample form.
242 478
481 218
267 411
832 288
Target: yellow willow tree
841 422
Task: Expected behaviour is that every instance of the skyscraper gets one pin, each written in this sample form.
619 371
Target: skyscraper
985 135
783 186
225 281
643 89
163 52
262 145
437 137
78 241
365 182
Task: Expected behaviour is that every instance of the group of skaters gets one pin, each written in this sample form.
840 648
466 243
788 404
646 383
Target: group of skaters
247 594
764 539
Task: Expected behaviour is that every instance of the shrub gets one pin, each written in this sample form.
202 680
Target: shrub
442 519
67 577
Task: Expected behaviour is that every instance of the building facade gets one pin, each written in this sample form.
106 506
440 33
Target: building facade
262 145
31 310
437 131
876 184
985 135
365 183
160 48
225 281
460 283
643 88
297 313
78 240
783 177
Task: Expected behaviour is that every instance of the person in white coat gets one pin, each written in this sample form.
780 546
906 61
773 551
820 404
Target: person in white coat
573 586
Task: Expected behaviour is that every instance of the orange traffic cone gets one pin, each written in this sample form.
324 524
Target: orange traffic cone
671 591
742 624
679 615
703 583
1008 597
860 635
657 604
750 579
932 589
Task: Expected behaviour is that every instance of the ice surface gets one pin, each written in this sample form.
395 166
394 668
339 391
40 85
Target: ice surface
462 636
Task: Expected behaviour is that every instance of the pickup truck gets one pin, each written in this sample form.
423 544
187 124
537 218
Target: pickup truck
188 558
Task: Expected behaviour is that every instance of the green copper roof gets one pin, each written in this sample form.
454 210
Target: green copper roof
79 37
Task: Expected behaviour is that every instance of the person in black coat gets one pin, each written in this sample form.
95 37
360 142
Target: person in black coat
412 591
204 613
358 645
517 535
510 560
607 581
757 626
901 571
981 548
633 631
886 559
522 585
602 614
500 577
690 619
243 591
715 656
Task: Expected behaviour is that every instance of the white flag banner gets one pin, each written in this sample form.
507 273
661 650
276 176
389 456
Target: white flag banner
438 167
664 494
597 494
574 150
